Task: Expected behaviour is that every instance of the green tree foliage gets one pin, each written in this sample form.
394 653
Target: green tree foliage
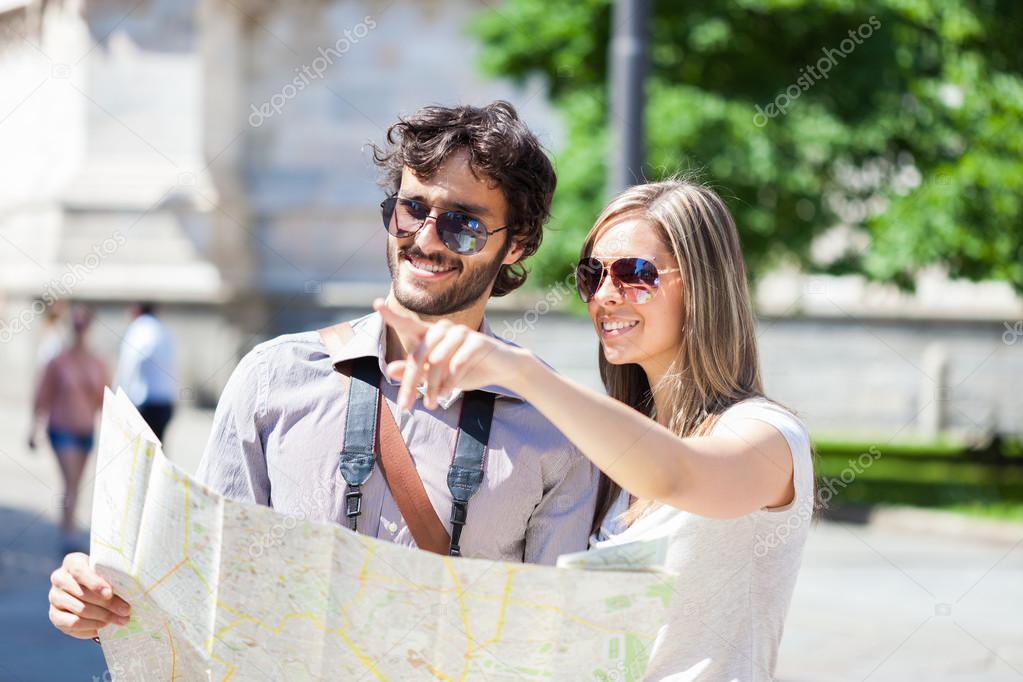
913 136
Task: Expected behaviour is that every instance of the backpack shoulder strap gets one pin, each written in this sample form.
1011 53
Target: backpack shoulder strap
466 471
395 461
336 337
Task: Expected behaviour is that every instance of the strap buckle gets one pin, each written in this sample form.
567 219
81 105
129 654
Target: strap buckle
459 513
353 502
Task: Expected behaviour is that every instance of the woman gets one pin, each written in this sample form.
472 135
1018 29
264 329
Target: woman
69 394
710 463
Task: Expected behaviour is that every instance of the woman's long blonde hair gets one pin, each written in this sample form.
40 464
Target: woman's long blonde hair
717 363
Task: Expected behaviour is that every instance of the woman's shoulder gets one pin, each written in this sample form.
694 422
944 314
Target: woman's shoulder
59 360
765 409
777 415
786 422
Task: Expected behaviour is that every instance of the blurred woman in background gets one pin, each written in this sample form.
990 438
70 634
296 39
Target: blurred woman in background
68 397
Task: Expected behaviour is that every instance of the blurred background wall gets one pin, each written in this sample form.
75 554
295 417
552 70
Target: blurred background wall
212 155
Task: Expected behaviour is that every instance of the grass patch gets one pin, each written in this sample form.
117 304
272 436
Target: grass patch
937 476
838 448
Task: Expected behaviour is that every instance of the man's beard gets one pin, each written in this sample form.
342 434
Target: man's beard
462 293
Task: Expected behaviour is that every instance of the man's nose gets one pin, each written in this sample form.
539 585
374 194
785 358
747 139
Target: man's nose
428 238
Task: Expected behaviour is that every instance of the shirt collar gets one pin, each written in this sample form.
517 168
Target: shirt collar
369 339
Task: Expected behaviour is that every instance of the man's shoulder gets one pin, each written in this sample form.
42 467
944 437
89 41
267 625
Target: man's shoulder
287 350
288 342
295 347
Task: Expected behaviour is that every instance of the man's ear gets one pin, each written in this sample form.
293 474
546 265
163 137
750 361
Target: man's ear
515 253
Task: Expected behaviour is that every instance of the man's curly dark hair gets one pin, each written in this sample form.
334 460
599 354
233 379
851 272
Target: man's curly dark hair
501 151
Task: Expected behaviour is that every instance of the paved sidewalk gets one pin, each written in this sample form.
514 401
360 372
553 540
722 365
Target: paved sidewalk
31 649
872 603
877 604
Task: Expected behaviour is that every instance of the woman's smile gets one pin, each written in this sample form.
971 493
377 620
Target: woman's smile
613 327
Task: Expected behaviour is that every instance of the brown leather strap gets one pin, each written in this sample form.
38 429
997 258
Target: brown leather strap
407 487
395 461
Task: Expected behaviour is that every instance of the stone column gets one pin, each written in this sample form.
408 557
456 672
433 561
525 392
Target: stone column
223 44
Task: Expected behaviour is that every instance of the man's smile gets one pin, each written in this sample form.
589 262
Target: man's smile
426 269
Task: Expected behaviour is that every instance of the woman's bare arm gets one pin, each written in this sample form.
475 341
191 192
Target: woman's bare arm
723 475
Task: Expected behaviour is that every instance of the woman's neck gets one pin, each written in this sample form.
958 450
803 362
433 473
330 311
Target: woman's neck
662 404
660 391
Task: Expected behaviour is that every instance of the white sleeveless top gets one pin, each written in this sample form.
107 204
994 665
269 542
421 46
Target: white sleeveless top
735 576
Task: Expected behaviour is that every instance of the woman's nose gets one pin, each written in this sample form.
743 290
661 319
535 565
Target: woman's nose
607 292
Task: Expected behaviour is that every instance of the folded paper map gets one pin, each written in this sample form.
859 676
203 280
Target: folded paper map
322 602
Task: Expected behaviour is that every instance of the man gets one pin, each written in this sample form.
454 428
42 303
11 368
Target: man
468 192
145 367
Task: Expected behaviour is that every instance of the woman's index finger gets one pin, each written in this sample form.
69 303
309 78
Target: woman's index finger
401 321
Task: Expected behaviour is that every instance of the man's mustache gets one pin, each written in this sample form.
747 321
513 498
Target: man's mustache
414 252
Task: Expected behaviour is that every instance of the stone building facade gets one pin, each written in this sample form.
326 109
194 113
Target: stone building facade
212 155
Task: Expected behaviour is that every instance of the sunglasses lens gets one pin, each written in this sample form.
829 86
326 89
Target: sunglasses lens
460 233
588 274
638 277
387 212
403 217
